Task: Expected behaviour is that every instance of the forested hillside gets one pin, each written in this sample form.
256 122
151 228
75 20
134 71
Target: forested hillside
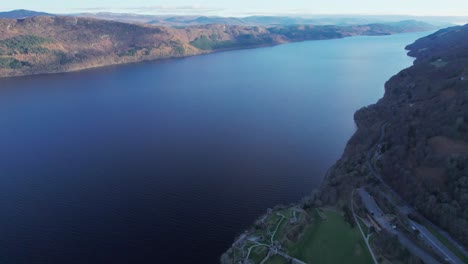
52 44
423 122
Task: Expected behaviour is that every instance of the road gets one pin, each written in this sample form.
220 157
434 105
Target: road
365 237
380 218
406 209
435 243
277 226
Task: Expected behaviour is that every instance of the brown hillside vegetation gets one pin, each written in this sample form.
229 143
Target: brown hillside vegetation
52 44
445 146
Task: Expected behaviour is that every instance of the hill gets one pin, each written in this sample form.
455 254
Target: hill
421 125
39 45
22 13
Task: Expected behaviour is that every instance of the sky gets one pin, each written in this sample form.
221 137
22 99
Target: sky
247 7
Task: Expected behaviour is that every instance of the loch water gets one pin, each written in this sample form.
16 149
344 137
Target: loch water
167 161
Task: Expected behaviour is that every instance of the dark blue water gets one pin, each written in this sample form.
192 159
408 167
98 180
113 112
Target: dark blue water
168 161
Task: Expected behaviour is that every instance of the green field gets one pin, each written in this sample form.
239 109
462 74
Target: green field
276 260
331 241
258 254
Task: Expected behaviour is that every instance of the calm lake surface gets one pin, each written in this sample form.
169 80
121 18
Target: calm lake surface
166 162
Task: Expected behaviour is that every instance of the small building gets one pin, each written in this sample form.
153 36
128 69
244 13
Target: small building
253 239
462 78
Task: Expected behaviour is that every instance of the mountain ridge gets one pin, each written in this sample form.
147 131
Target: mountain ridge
52 44
253 20
22 13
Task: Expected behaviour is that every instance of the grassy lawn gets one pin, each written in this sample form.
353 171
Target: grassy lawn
258 253
331 241
448 244
276 260
281 229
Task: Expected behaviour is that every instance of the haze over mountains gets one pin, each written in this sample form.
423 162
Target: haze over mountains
188 20
267 20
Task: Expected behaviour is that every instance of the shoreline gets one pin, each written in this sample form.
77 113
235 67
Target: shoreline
202 53
149 60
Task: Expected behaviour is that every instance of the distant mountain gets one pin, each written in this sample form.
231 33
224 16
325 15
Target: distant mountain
402 26
121 17
181 21
340 20
22 13
184 20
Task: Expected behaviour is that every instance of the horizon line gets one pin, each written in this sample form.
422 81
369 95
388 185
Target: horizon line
239 15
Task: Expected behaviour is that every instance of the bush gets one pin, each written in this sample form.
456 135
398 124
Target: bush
203 43
241 41
10 63
25 45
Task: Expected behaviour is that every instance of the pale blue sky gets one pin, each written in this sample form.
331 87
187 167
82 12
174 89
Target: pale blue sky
247 7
